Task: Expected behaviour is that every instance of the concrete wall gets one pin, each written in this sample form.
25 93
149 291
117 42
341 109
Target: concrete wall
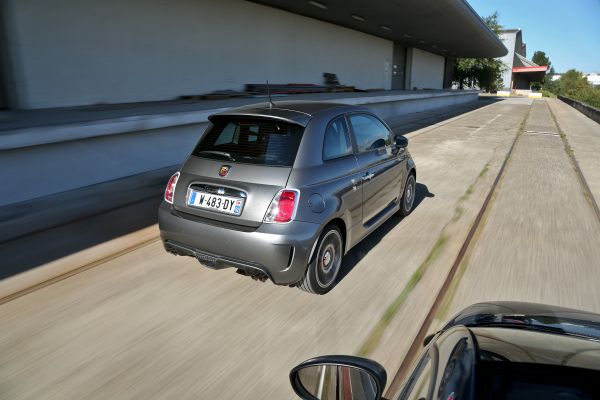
509 39
587 110
77 155
426 71
513 40
110 51
57 167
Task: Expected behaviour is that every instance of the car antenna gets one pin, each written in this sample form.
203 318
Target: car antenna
271 104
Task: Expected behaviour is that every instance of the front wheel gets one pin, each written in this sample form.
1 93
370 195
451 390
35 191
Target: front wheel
408 197
325 265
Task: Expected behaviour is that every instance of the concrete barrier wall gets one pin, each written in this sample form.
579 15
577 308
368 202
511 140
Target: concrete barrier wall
48 160
393 108
586 109
42 170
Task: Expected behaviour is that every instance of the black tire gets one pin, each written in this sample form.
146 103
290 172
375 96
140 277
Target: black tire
322 271
407 201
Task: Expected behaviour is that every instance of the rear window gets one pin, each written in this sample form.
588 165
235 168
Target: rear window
251 141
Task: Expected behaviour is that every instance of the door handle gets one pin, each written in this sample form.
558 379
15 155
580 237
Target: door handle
368 176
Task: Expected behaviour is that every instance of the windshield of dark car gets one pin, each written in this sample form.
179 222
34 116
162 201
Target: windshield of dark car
251 141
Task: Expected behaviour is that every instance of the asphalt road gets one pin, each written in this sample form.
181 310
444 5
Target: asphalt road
150 325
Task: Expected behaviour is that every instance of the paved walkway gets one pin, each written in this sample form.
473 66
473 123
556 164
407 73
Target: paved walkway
151 325
100 212
540 238
583 137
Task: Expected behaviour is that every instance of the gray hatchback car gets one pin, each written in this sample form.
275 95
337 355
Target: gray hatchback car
283 191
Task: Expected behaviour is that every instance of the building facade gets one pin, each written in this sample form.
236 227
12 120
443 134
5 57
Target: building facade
519 72
61 53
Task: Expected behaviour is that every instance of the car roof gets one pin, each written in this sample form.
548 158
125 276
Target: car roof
532 316
297 112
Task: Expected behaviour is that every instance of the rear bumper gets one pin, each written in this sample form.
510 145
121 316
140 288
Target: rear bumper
279 251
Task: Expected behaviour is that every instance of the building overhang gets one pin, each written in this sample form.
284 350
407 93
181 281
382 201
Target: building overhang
530 69
450 28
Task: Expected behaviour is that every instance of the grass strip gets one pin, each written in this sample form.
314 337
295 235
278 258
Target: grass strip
375 336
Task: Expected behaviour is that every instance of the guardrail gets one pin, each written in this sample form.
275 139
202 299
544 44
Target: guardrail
586 109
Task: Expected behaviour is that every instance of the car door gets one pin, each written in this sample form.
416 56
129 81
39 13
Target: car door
378 163
420 383
341 170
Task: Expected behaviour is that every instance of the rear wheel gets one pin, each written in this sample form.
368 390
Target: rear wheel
325 265
408 197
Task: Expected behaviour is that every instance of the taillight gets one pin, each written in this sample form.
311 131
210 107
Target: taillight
283 206
170 190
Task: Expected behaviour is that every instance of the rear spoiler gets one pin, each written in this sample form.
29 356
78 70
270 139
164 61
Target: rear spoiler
278 114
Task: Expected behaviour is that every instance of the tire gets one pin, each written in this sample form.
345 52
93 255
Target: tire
323 269
407 201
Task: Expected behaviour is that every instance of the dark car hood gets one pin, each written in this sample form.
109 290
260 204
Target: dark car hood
532 316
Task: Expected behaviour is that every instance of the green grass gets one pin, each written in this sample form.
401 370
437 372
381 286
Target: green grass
375 336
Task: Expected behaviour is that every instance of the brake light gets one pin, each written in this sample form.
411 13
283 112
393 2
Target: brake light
283 206
170 190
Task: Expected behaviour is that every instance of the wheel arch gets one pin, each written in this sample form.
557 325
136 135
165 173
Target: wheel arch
341 225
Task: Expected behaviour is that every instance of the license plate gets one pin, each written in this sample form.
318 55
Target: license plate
215 202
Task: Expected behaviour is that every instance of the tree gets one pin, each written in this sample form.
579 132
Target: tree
575 85
540 58
485 73
492 22
572 83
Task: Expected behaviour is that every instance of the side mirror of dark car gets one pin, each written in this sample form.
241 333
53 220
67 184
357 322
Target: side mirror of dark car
400 141
338 377
428 339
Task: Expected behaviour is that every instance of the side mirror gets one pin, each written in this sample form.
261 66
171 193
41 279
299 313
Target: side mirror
338 378
401 141
428 338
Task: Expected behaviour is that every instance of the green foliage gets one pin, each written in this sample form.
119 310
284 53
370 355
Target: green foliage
571 83
535 86
485 73
547 93
492 22
574 85
550 85
540 58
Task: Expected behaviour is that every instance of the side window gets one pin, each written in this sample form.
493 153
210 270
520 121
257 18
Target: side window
418 385
337 140
369 132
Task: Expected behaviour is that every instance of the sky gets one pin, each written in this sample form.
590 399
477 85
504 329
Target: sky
567 30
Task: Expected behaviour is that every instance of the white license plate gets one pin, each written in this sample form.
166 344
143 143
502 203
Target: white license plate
215 202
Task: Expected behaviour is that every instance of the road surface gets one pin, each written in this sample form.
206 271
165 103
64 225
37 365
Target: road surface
540 241
146 324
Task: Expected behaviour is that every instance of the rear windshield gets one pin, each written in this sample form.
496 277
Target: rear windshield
251 141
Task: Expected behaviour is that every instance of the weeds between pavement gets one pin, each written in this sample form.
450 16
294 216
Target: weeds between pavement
374 337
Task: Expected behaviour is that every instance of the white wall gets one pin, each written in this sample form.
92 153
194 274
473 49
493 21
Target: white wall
427 70
109 51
